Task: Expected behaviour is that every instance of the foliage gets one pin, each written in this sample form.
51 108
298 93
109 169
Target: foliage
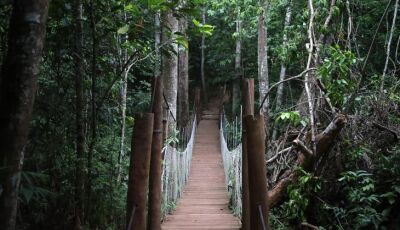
335 73
299 195
361 192
203 28
292 116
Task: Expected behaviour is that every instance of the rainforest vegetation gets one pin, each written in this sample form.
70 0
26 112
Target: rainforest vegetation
74 74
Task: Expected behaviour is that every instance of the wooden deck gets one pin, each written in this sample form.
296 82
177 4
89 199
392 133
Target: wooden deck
204 204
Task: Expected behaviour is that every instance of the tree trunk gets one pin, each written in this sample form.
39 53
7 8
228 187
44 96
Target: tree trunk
93 107
238 69
80 126
307 83
324 142
389 44
170 63
124 86
157 43
183 78
263 77
203 47
124 90
282 74
18 82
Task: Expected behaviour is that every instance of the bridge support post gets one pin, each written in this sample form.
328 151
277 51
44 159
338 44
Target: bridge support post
248 109
255 133
154 220
139 171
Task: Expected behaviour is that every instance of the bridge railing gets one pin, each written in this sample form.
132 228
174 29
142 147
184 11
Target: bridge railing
231 149
176 166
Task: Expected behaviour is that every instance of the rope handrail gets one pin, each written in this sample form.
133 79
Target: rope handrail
232 160
176 168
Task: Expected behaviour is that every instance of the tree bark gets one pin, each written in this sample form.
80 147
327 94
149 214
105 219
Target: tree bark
238 69
307 83
183 78
124 88
282 74
127 65
79 113
203 47
170 62
389 44
262 48
18 82
157 43
93 107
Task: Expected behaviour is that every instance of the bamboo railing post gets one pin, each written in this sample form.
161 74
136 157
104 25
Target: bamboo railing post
154 220
139 170
248 109
255 135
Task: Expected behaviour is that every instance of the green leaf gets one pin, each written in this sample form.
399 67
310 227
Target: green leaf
183 42
133 9
123 30
196 23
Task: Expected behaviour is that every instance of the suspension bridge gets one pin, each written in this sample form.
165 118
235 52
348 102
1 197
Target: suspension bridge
204 202
205 181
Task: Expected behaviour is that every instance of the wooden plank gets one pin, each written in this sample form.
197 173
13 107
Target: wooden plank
204 204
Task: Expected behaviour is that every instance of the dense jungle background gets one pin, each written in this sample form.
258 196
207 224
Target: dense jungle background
77 79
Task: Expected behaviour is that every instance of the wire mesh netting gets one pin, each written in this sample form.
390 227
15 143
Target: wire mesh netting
231 149
176 167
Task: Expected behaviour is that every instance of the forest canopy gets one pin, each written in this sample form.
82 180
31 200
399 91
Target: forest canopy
75 74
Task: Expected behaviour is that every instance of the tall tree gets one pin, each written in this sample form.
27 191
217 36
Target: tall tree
183 75
263 77
79 113
93 125
282 74
124 87
169 72
389 44
238 61
203 47
18 82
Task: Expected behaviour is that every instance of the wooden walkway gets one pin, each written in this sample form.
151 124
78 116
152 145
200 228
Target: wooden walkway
204 204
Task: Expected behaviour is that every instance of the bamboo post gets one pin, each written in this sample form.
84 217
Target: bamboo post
154 220
139 171
248 109
257 170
